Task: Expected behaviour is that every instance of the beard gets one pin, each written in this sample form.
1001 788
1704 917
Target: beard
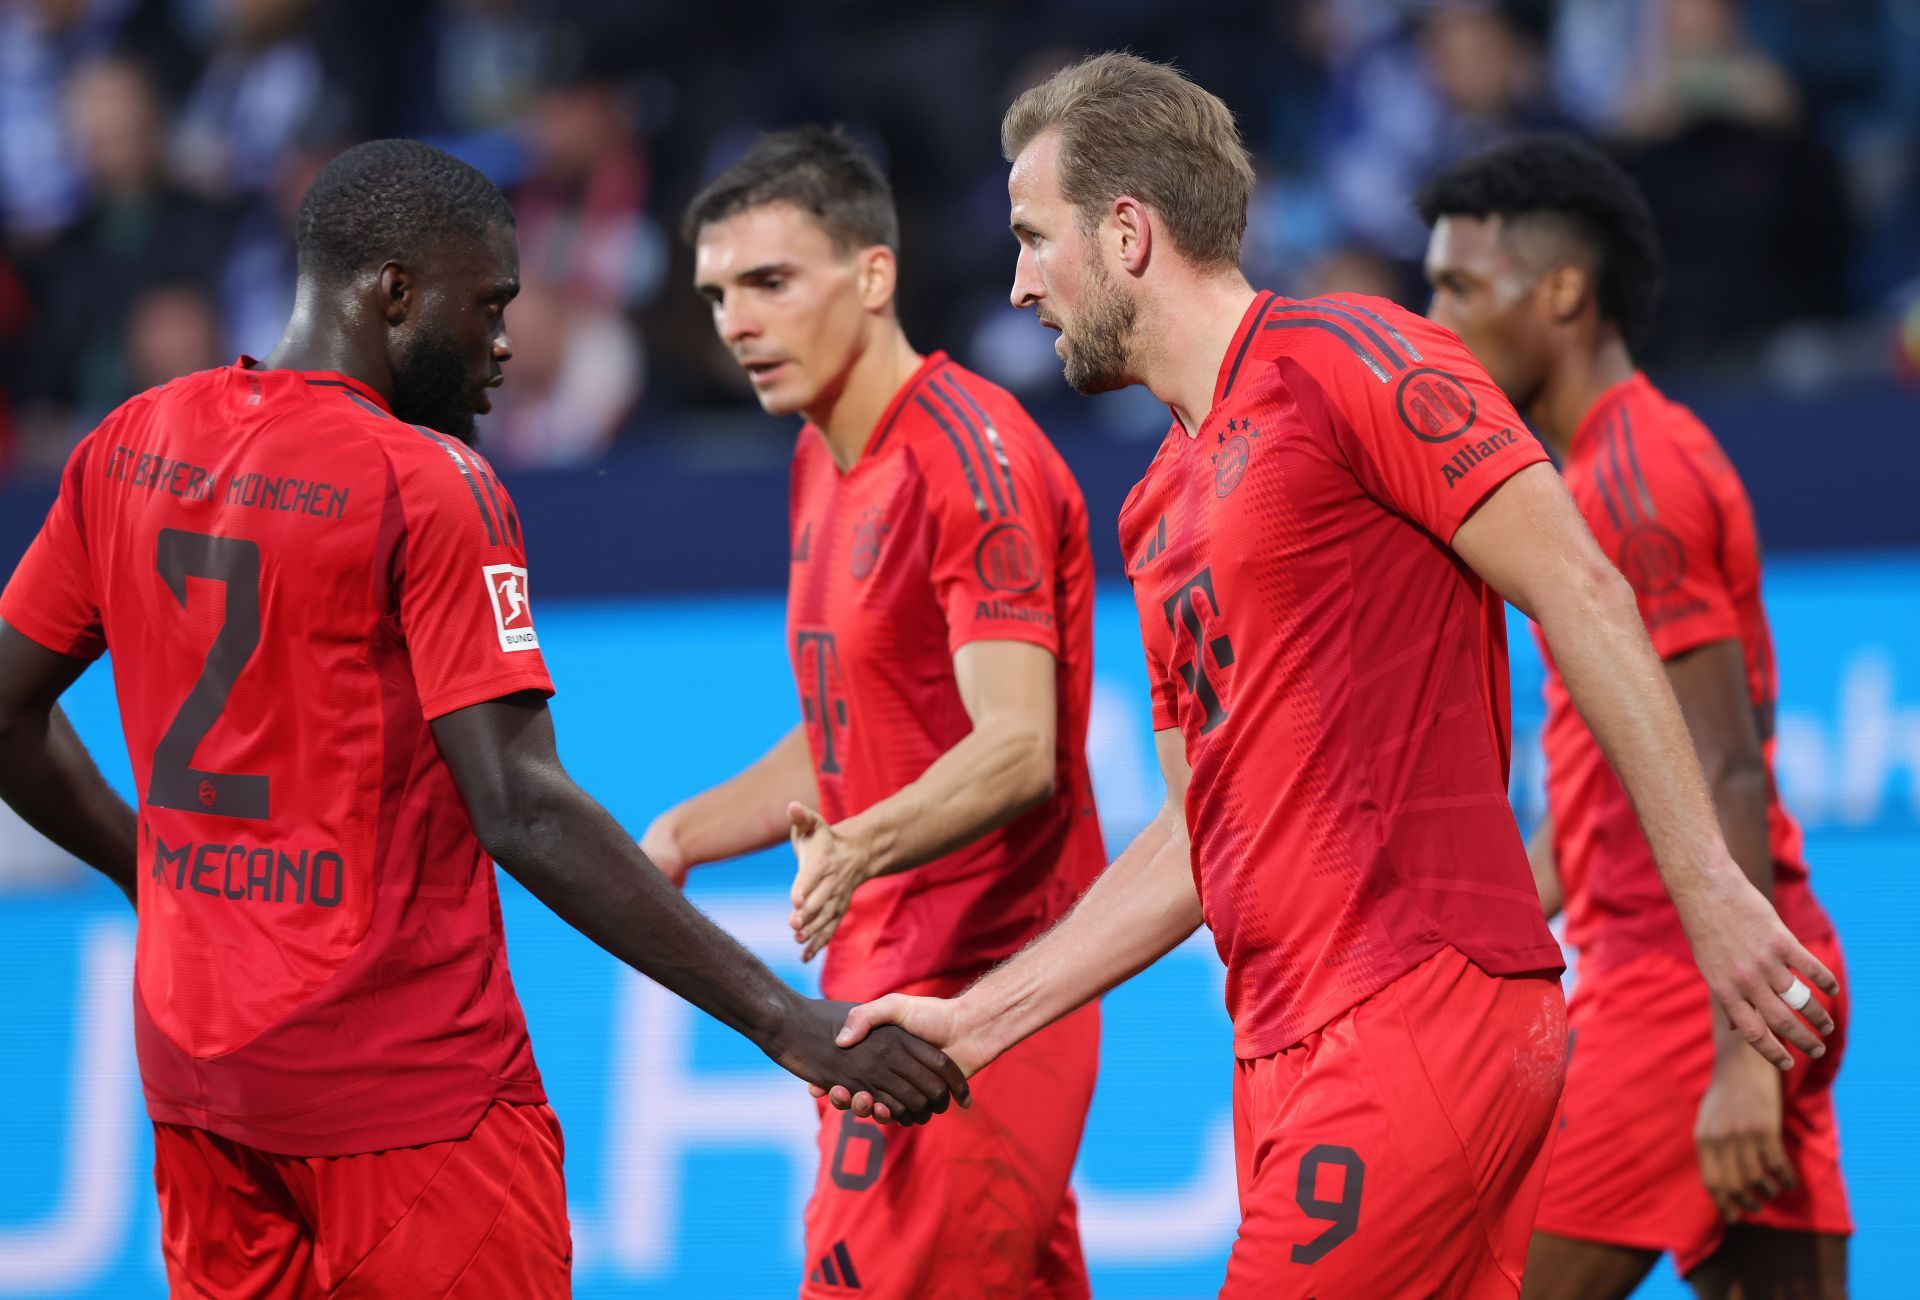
1097 359
432 386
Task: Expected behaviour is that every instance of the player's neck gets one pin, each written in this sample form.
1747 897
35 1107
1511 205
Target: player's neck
1586 377
847 418
1183 339
312 342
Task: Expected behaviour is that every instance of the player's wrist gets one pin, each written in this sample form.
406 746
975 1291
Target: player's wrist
979 1033
773 1014
869 845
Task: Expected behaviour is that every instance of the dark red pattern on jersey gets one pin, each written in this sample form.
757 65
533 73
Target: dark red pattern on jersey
1669 508
324 975
1338 675
959 524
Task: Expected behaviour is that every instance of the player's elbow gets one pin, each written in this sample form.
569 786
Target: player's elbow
1032 773
1590 592
521 826
1738 780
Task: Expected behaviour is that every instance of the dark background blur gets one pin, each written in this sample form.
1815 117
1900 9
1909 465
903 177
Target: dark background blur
152 152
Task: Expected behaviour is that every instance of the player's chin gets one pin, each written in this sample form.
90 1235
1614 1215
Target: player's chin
781 400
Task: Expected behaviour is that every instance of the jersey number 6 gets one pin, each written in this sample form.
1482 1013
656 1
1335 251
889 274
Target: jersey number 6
234 563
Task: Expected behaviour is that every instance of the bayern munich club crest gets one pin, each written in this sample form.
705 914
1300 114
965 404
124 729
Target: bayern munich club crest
1235 453
1652 559
868 533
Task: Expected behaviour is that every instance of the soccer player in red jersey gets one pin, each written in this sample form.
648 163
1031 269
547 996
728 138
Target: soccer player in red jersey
1676 1136
335 706
939 624
1318 553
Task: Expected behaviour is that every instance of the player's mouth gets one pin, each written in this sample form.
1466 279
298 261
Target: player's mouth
481 400
762 373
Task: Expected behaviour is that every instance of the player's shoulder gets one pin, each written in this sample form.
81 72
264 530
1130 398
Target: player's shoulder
948 403
1663 437
192 391
1354 335
433 473
1368 356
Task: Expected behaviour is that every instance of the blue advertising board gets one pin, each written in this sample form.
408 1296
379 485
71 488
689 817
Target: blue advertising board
688 1156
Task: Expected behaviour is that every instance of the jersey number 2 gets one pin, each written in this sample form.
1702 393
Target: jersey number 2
234 563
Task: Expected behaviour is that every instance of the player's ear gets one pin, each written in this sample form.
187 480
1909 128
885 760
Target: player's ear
397 289
878 272
1569 289
1130 230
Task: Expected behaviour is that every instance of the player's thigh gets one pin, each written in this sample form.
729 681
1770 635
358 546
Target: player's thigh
976 1203
1562 1268
1404 1152
1625 1171
479 1217
1766 1264
230 1230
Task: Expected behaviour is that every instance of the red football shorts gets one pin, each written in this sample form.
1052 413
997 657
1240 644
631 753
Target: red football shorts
1401 1149
974 1204
481 1217
1626 1171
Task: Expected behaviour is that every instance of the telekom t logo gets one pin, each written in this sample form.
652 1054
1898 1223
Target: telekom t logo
1183 614
823 708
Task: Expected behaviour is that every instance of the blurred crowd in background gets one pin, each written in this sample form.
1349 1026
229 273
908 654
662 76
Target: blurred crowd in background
152 154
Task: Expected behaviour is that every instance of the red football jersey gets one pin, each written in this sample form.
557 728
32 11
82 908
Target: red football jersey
1667 505
960 523
1338 674
293 583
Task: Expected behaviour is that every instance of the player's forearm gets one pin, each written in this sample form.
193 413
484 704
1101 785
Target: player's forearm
1593 628
47 776
1139 909
574 857
748 811
997 771
1740 799
1546 871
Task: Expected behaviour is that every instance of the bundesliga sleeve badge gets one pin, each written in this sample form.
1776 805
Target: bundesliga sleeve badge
512 615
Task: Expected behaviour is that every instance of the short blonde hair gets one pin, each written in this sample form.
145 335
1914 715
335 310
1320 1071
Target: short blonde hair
1131 126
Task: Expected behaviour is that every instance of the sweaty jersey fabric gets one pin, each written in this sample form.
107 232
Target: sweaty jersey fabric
293 583
1668 507
1339 676
960 523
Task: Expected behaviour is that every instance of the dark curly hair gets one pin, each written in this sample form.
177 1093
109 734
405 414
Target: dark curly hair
822 171
388 199
1559 179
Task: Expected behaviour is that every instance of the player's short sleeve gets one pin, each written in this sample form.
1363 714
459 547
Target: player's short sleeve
1653 511
51 597
996 526
1427 432
464 606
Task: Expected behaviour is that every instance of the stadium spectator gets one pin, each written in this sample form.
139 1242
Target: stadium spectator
1457 77
1717 129
137 230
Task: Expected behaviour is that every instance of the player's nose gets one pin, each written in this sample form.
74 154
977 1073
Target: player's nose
1027 289
735 324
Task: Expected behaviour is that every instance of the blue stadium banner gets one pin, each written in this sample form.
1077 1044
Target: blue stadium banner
688 1156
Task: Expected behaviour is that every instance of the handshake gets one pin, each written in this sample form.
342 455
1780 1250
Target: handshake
888 1059
856 1058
